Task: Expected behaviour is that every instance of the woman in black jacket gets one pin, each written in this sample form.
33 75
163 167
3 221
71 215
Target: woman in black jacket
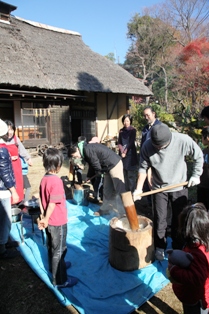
127 150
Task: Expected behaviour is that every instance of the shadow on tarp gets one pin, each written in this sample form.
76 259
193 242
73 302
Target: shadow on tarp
101 288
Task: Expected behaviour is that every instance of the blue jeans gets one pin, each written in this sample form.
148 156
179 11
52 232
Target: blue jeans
57 249
5 219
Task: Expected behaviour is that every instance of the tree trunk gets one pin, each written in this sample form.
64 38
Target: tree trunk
166 87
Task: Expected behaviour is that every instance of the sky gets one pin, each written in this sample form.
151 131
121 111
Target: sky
101 23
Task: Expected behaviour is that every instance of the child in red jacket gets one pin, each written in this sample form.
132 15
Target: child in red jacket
191 285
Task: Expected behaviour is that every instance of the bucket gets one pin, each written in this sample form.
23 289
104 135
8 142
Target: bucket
130 250
32 208
15 214
80 196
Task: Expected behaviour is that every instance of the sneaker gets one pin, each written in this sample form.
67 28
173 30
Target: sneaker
11 244
71 281
159 254
9 254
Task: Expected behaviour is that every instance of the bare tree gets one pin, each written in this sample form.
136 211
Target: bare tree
189 18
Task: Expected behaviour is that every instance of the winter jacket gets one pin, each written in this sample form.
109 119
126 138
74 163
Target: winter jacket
7 179
100 157
193 282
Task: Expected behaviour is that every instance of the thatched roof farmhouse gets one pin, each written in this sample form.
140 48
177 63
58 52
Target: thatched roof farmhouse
55 87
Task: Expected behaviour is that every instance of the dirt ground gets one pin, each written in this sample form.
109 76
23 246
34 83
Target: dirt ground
22 292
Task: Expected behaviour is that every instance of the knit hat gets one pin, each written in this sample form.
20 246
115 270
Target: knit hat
160 134
3 128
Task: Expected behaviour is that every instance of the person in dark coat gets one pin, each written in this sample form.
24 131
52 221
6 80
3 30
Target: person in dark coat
205 115
150 117
203 187
97 182
127 150
103 160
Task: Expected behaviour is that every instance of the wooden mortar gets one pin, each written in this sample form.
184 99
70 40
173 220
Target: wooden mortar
130 209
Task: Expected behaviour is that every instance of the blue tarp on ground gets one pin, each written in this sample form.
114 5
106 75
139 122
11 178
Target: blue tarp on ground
101 288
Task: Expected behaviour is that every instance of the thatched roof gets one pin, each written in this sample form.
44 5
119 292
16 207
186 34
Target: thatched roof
33 56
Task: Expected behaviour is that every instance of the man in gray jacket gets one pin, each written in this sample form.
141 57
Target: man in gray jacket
165 153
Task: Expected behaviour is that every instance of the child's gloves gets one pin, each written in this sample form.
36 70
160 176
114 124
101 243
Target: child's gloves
193 181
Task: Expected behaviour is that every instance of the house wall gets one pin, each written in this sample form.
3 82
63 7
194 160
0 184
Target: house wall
112 106
109 109
122 109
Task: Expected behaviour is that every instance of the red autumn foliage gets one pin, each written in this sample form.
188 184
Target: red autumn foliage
193 70
196 52
194 49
